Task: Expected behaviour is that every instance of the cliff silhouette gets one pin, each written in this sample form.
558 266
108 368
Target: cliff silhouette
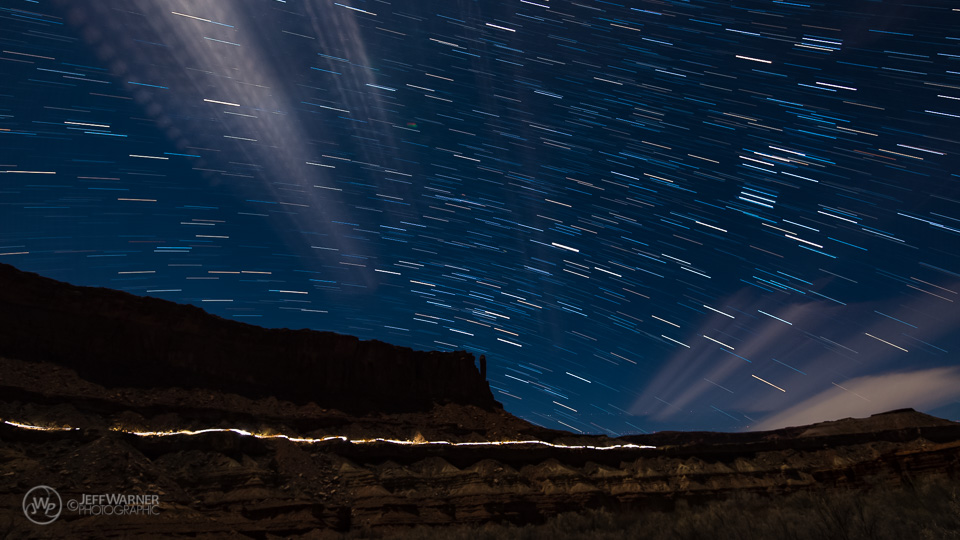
115 338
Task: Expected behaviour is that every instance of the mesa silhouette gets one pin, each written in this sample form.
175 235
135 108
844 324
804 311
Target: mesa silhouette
115 338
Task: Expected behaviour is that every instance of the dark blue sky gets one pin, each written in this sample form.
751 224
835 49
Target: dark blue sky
648 215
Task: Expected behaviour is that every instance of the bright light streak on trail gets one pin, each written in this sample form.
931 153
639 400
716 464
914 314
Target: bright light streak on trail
38 428
312 440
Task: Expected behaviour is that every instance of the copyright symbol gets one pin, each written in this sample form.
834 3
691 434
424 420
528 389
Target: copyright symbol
72 505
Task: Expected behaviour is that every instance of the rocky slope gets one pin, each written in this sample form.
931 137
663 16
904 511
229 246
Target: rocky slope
220 484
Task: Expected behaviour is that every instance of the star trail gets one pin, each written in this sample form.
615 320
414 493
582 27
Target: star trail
647 215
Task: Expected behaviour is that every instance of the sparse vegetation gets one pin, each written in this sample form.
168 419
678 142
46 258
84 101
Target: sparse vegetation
929 511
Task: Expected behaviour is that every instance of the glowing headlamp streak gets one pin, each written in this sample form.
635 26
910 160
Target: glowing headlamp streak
37 428
309 440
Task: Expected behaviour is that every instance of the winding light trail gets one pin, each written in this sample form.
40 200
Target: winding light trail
307 440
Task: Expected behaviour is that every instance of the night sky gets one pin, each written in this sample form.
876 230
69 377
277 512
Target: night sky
648 215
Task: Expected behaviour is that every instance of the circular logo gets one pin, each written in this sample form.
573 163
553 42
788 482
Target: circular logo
42 505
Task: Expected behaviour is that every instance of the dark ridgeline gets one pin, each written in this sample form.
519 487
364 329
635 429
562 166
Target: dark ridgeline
117 339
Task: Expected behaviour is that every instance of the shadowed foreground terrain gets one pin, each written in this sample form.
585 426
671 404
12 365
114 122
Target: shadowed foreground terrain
929 511
809 480
295 466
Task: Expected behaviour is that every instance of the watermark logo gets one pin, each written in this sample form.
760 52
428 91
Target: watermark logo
42 505
115 504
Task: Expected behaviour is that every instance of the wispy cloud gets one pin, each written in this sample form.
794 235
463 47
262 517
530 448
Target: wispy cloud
772 357
216 77
863 396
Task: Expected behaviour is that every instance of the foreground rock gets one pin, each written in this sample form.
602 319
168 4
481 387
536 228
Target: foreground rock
225 484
